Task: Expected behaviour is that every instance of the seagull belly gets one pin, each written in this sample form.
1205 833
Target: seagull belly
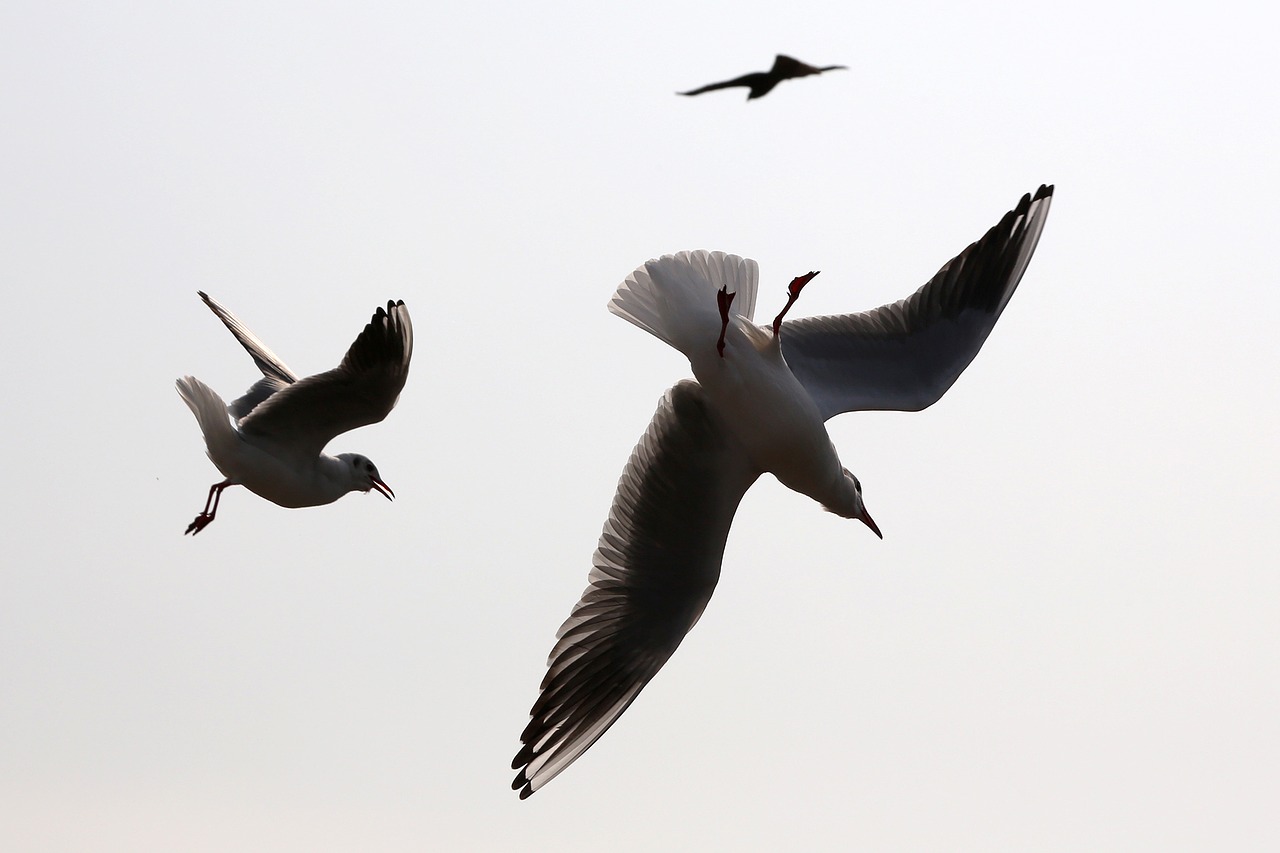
288 483
776 420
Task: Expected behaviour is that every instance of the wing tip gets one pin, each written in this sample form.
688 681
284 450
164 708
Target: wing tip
1043 194
522 782
213 305
393 307
387 338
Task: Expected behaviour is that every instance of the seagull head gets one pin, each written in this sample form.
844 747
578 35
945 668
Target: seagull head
364 475
850 505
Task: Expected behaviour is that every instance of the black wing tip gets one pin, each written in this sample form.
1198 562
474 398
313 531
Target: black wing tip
385 345
393 305
1028 199
1045 192
522 784
227 318
385 318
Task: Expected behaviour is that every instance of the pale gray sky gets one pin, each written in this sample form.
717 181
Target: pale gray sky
1068 639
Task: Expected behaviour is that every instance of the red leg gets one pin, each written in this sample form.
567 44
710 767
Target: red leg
723 299
202 520
793 293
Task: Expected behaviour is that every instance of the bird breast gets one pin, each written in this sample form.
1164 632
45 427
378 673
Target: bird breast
291 483
771 414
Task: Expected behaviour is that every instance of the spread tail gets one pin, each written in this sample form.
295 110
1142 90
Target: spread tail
674 297
211 414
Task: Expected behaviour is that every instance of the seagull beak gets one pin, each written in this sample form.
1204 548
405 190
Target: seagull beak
866 519
385 490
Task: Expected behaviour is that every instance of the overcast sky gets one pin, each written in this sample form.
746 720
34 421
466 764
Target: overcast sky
1069 638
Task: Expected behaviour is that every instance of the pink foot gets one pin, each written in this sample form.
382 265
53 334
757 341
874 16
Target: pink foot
210 508
201 522
723 299
793 293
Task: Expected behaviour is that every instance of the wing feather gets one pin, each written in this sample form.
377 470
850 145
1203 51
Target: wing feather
653 573
750 80
303 417
904 356
275 373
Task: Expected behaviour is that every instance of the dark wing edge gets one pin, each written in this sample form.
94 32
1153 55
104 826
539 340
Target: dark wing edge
275 373
652 575
268 362
361 390
905 355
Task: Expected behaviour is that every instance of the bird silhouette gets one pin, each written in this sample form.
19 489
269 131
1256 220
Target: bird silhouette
761 83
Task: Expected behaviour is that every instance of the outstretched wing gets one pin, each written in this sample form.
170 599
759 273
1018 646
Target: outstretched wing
275 373
654 571
745 80
905 356
303 417
787 68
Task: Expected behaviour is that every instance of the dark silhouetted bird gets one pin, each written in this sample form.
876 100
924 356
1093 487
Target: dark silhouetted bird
761 83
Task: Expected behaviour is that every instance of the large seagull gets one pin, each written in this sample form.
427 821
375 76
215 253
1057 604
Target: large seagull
759 404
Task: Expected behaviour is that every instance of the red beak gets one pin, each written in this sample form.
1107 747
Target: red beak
866 519
385 490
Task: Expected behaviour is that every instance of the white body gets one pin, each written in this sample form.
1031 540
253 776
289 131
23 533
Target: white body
751 387
289 482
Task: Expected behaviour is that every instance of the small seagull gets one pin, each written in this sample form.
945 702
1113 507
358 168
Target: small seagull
759 404
283 423
761 83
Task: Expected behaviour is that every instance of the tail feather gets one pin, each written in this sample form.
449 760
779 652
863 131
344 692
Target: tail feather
674 297
211 413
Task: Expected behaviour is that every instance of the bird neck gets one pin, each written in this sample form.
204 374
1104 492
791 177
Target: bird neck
843 498
335 476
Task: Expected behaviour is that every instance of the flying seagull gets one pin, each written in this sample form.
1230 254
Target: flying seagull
283 423
758 404
762 82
